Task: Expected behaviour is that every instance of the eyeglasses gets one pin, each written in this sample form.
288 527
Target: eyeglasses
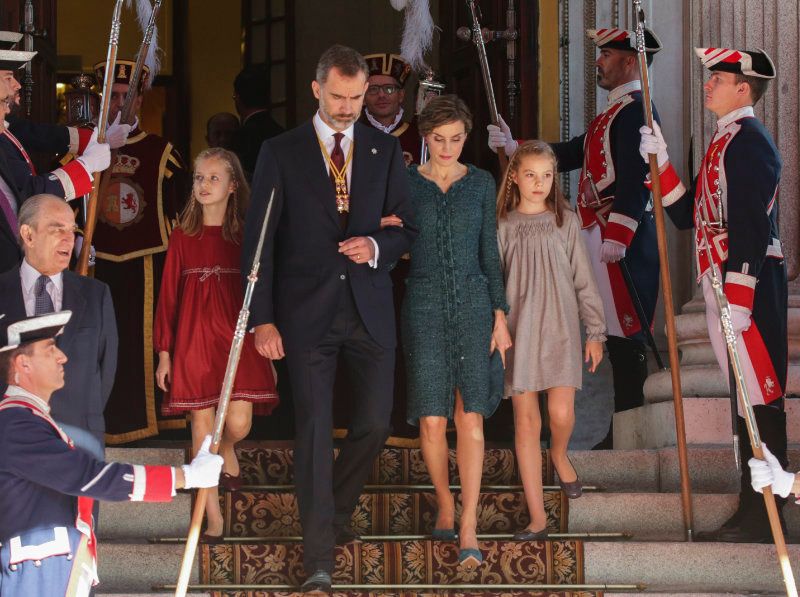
388 89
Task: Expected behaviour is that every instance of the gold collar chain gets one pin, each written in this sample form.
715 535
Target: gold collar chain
339 177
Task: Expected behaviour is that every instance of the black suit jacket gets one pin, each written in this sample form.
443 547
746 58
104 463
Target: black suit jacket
302 273
89 341
248 138
10 252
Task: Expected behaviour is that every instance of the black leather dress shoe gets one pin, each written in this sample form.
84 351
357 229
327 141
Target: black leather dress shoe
319 582
735 534
345 535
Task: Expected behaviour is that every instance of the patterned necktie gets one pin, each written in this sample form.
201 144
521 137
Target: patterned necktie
44 304
337 157
8 212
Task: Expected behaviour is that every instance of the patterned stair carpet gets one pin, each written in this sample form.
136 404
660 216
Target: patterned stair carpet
391 506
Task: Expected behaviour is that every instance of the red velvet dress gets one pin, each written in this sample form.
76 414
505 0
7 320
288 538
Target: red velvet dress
199 303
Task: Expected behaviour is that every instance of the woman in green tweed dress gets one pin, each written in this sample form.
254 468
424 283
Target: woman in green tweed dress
454 331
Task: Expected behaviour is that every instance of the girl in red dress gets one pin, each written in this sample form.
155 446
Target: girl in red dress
199 303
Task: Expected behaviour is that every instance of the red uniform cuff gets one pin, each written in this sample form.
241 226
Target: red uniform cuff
74 178
740 289
78 139
620 228
672 188
152 483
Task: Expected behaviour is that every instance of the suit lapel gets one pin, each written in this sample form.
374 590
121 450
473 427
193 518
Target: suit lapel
71 300
317 172
11 287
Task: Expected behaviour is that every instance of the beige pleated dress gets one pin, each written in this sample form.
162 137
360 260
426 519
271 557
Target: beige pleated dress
550 288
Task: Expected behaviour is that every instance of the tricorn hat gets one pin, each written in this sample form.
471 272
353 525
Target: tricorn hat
13 59
622 39
391 65
752 63
31 329
123 71
9 39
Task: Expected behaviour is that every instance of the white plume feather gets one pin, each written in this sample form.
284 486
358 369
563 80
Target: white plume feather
417 34
398 5
144 11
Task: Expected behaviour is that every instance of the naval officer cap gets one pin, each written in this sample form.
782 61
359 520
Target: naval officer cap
751 63
14 334
9 39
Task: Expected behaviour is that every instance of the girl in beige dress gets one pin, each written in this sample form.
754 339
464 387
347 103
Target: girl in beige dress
550 288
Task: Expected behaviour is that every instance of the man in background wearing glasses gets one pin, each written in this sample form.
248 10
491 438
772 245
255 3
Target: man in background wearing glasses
383 102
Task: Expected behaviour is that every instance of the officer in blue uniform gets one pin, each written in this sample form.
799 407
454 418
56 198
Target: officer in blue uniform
614 208
733 209
47 486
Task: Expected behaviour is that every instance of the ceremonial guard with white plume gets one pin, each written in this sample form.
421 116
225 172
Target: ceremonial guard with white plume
614 208
733 208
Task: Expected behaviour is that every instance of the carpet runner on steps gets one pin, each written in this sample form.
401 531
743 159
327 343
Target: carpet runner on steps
263 562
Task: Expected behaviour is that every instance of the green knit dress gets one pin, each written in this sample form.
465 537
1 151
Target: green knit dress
454 285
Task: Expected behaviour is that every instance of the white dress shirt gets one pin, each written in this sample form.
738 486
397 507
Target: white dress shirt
28 276
16 391
326 135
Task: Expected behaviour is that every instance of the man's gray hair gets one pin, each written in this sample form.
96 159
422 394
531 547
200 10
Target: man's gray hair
346 60
29 212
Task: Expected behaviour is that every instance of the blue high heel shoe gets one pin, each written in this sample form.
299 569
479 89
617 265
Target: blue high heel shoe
444 535
470 557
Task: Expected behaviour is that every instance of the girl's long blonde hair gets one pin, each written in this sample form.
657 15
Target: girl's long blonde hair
191 218
508 198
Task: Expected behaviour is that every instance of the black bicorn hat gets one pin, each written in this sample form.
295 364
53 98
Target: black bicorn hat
14 334
14 59
391 65
752 63
614 38
9 39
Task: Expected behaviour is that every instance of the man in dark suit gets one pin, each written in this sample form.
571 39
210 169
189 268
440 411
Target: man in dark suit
251 96
324 291
42 284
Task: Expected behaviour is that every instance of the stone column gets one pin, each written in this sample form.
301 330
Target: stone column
772 25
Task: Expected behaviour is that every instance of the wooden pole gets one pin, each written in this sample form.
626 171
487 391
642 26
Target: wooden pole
222 408
102 124
666 284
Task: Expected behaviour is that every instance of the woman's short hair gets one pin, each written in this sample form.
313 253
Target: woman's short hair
444 109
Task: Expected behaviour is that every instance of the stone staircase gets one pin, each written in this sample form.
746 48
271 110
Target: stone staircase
639 496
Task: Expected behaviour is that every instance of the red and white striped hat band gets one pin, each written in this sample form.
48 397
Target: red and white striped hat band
752 63
622 39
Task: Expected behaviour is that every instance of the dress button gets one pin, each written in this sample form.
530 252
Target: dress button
13 567
462 357
342 277
69 556
37 563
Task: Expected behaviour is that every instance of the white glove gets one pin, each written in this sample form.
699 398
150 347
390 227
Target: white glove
116 133
204 470
652 142
769 472
740 318
79 246
500 136
611 251
97 156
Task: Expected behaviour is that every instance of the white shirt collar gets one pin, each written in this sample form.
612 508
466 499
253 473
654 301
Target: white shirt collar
625 89
29 275
325 132
16 391
738 114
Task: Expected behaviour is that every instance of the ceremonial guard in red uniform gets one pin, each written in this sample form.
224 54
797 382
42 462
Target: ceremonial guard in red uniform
47 485
18 176
383 103
149 184
614 207
733 209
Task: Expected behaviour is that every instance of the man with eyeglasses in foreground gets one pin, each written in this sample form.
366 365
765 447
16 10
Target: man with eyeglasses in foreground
383 103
